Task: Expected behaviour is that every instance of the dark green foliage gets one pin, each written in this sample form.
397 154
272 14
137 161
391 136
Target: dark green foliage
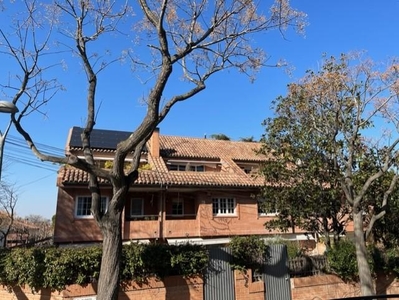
187 259
384 260
157 258
294 249
4 252
220 136
141 261
55 268
302 177
248 252
392 260
342 260
25 267
71 265
132 262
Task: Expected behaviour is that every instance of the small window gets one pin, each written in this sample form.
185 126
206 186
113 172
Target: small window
83 206
177 206
197 168
266 208
186 167
223 206
136 207
175 167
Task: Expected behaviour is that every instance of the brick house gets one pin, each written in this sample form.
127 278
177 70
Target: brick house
195 189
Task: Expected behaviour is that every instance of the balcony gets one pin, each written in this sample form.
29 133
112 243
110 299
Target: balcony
181 226
181 217
141 227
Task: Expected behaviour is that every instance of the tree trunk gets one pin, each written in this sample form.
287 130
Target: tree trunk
366 282
108 282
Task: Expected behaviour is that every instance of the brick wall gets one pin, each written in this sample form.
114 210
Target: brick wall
174 287
245 289
321 287
325 287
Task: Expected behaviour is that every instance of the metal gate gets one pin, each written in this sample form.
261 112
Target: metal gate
219 277
276 275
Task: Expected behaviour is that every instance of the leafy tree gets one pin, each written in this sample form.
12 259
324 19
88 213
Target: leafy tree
247 139
220 136
322 149
386 230
192 40
302 182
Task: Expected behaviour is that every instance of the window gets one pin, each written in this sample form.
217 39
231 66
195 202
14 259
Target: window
249 168
187 167
197 168
175 167
177 206
83 206
267 208
223 206
136 207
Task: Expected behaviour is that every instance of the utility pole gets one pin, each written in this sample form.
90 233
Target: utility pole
8 108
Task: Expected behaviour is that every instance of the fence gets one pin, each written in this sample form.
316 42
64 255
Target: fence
307 265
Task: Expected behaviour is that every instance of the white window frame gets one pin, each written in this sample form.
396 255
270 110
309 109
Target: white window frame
228 210
186 166
87 198
196 168
142 207
268 213
178 200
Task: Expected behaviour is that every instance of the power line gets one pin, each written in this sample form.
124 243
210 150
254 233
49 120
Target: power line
34 181
19 152
19 142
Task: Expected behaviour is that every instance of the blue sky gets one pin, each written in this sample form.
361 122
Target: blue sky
231 104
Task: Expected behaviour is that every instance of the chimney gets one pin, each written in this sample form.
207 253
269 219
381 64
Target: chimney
154 143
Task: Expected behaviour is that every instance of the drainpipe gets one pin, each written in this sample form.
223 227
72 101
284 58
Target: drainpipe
162 215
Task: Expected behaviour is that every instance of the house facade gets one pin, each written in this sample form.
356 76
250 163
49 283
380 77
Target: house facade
189 189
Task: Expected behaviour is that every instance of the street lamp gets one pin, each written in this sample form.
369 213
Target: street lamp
8 108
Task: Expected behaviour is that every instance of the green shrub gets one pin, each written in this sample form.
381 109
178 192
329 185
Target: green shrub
392 260
25 267
71 265
55 268
4 252
156 258
248 252
188 259
132 262
342 260
293 247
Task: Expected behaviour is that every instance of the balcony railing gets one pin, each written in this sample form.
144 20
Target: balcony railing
143 218
181 217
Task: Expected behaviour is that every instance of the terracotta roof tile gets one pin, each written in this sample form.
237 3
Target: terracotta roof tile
223 152
70 175
174 146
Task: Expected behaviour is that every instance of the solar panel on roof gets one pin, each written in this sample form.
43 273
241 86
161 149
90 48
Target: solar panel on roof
99 138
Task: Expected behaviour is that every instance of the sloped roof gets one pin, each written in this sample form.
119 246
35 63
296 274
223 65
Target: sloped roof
70 175
173 147
100 139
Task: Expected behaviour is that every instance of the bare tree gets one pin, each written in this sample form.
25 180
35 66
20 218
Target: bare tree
39 229
8 201
193 39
